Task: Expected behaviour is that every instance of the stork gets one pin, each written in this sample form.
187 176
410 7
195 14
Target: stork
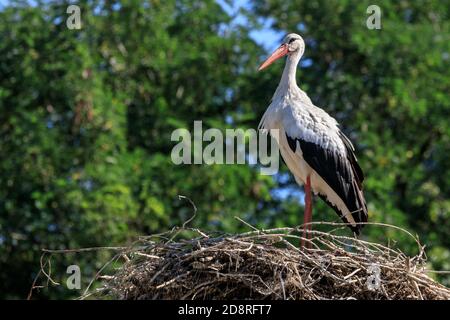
313 147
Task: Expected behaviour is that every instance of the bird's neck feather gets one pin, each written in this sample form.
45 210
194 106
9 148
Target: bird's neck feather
288 79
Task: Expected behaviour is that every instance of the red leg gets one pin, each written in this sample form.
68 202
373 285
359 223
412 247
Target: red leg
309 244
308 213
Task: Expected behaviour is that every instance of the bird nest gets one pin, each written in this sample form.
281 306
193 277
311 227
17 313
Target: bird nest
267 264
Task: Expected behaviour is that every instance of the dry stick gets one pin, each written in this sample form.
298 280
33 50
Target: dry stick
83 249
248 225
162 285
41 271
187 221
115 258
33 285
49 273
195 211
352 274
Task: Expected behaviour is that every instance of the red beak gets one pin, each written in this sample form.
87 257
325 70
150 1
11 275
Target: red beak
277 54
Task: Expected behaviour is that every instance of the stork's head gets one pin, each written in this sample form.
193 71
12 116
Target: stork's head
293 45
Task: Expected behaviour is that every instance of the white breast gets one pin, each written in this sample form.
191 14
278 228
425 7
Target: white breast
307 122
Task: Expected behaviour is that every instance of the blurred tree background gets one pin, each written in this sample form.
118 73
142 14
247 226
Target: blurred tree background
86 117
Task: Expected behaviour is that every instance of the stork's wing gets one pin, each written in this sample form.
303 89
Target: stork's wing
357 171
330 153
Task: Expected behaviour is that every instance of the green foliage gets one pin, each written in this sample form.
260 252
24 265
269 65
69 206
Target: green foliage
86 117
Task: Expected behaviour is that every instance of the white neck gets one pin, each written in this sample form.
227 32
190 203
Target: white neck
288 81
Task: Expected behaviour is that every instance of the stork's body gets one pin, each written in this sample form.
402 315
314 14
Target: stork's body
316 152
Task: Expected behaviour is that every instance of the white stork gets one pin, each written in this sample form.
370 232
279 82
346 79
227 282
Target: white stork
313 147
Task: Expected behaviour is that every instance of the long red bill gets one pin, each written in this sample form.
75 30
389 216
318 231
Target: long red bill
277 54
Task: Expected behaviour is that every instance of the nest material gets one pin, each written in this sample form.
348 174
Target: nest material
266 265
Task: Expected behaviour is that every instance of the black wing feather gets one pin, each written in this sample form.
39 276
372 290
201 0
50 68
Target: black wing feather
342 173
352 158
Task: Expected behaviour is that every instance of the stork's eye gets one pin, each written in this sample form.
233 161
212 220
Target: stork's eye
292 40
